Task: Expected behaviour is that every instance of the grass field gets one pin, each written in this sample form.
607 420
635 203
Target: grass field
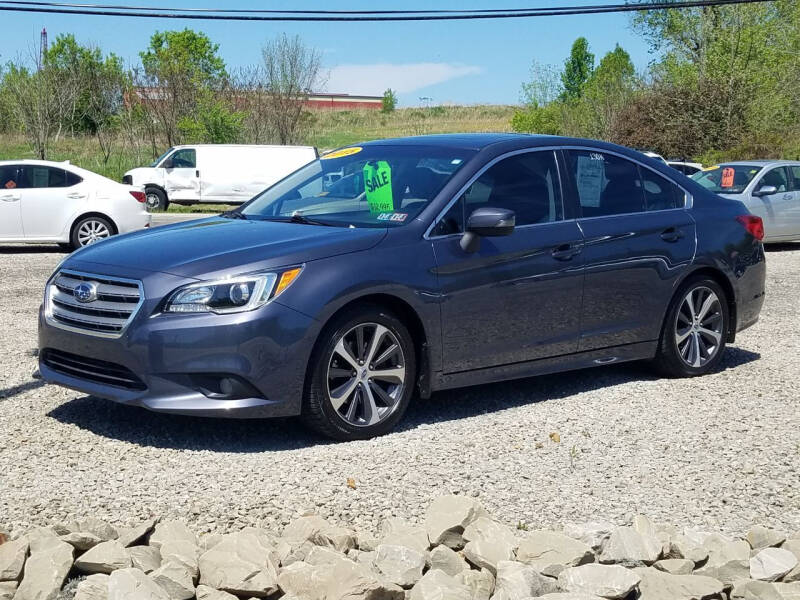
327 130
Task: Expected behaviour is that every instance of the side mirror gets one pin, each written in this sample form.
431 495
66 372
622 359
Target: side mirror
167 164
765 190
487 222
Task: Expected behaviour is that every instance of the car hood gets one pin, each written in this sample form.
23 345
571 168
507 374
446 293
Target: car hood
217 247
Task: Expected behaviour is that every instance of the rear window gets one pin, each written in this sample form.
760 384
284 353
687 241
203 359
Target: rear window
727 179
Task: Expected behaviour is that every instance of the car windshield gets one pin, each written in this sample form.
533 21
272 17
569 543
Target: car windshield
726 179
370 186
162 157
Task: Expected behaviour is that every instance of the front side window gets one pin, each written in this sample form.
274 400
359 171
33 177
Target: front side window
776 177
185 158
42 177
796 177
607 184
156 162
727 179
370 186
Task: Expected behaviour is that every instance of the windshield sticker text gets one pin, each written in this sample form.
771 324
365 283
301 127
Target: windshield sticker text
396 217
727 177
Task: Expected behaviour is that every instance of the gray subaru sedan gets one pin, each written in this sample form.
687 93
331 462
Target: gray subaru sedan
392 269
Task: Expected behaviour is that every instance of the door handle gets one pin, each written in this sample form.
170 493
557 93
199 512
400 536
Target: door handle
197 173
76 195
566 251
9 198
787 196
673 234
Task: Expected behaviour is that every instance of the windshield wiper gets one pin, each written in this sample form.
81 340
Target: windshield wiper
233 214
298 218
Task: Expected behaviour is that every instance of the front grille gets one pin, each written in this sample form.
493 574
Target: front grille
98 371
116 303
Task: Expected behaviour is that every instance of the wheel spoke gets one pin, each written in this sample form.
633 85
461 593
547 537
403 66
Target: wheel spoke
680 336
340 394
360 343
690 304
371 413
375 342
353 408
714 335
695 350
394 375
710 301
385 354
387 400
342 350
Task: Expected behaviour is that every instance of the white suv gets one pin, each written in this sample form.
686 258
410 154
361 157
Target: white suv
43 201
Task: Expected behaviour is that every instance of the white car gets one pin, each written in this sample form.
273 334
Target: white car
217 173
44 201
687 168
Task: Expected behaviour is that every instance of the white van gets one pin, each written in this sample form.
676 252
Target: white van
221 173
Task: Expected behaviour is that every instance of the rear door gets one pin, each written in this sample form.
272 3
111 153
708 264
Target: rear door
793 209
50 197
639 239
182 179
518 297
10 205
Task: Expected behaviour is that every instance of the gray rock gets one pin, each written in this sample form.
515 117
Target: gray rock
45 572
606 581
681 546
181 552
515 581
315 529
209 540
770 564
760 537
348 580
722 550
146 558
591 533
93 526
12 559
480 583
367 542
320 555
8 589
675 566
175 579
301 579
81 540
448 516
550 552
629 546
172 531
729 573
438 585
206 593
488 543
133 584
763 590
242 563
447 560
105 557
657 585
42 538
399 532
93 587
793 546
400 565
567 596
131 535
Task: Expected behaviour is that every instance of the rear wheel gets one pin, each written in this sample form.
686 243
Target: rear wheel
362 375
155 199
694 334
89 230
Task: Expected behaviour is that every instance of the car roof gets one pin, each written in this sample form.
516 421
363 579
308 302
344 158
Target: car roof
470 141
32 161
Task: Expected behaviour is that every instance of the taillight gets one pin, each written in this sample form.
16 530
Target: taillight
753 224
140 197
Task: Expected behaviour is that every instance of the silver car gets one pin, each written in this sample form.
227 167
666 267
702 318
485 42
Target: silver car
769 189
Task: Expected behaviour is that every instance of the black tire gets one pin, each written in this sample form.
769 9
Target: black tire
676 360
103 226
318 411
155 199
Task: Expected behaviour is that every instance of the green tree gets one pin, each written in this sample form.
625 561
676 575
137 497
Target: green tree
577 69
608 90
389 101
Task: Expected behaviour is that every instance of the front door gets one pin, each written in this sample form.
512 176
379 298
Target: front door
518 297
774 209
10 212
182 179
639 240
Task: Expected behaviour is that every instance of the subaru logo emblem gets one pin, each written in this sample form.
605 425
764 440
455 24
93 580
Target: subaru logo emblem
85 292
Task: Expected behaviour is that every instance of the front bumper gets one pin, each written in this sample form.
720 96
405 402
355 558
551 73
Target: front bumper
268 348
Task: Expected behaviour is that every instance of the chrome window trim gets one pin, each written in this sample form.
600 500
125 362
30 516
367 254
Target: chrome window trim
48 304
688 199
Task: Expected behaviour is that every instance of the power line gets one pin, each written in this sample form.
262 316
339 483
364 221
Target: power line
352 16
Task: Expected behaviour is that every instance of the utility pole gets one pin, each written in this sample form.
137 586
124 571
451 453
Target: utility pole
42 48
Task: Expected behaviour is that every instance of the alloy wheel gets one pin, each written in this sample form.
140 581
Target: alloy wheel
152 201
366 375
698 327
92 231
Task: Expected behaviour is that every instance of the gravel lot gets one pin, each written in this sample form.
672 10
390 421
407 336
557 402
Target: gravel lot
721 451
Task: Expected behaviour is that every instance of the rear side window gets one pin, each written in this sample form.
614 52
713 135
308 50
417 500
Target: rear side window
8 177
607 184
34 176
71 179
659 192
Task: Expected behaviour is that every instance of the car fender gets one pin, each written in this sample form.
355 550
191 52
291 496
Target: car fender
145 176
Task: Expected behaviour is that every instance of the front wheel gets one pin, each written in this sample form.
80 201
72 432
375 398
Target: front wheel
362 375
694 334
90 230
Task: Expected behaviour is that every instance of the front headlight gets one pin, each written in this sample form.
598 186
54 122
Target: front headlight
237 294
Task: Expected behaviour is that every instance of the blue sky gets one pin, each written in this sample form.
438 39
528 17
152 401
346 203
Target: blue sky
462 62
